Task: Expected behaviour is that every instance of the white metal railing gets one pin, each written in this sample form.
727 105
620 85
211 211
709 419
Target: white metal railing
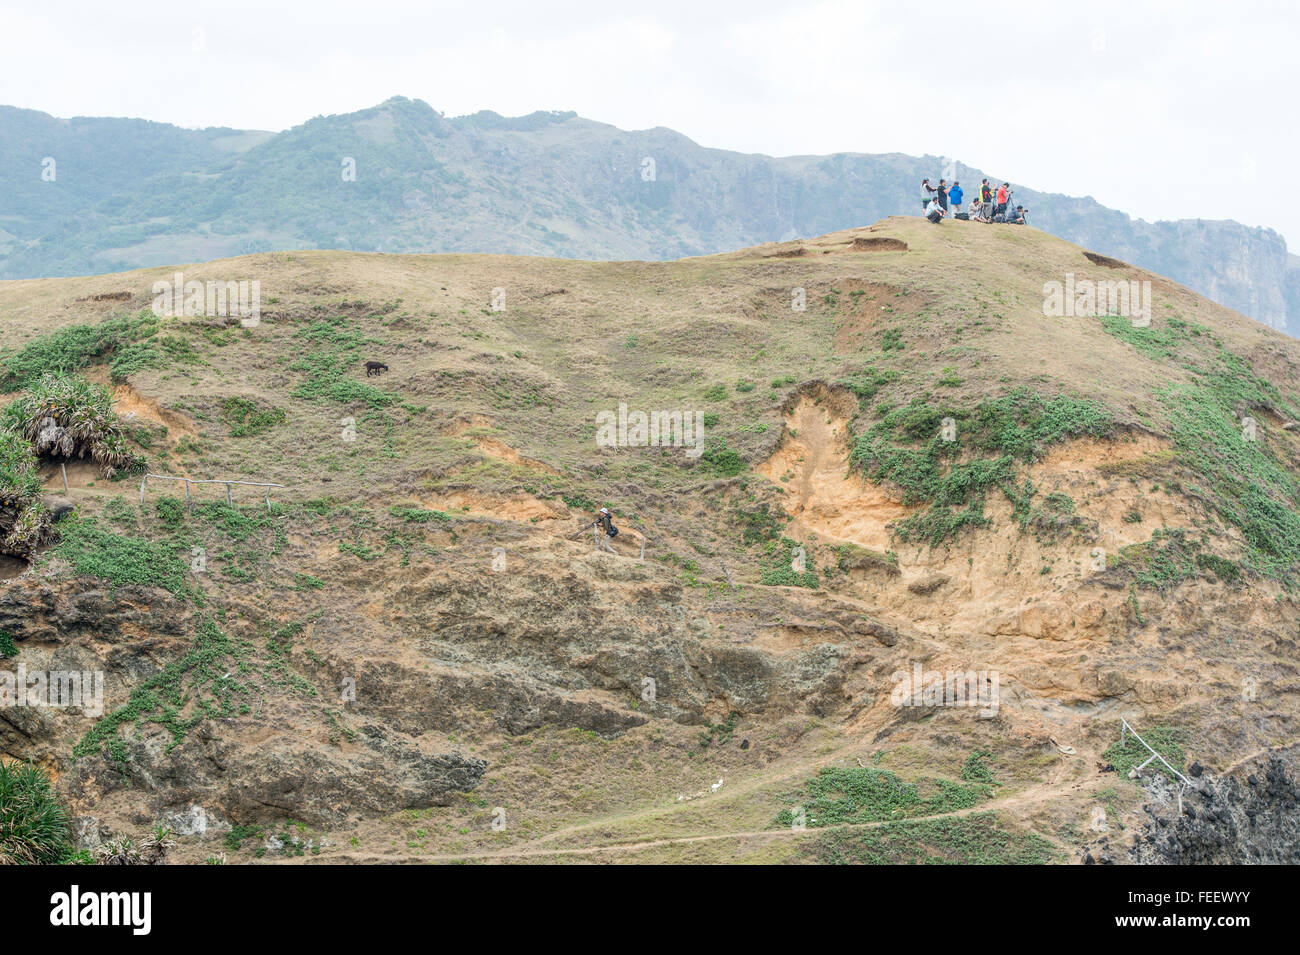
1136 771
189 481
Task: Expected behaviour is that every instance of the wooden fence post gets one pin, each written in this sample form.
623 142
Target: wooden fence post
142 480
64 468
187 493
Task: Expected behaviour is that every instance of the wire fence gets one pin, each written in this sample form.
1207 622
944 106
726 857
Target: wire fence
188 481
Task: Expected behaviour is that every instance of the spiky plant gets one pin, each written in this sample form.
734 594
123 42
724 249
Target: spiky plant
33 825
24 519
66 416
150 851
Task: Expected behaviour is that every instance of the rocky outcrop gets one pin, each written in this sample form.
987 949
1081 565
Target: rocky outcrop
1250 817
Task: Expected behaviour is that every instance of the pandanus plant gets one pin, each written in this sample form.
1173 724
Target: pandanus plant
66 417
24 519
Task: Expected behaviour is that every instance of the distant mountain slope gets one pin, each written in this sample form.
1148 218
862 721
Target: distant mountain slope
130 193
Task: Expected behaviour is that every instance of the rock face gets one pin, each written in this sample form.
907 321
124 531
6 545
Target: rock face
568 644
1251 817
587 180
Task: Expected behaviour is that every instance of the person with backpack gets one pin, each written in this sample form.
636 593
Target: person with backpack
955 196
986 201
604 521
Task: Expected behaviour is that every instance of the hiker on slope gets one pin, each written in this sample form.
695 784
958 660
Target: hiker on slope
934 212
942 196
1001 207
607 531
955 196
986 201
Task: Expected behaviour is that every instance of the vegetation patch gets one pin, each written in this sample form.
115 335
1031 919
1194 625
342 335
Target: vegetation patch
177 697
723 460
419 515
764 523
949 458
780 568
125 342
33 824
24 519
67 417
976 839
1231 460
1168 741
868 382
95 550
335 349
837 796
245 417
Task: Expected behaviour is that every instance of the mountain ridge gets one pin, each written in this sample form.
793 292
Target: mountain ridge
549 183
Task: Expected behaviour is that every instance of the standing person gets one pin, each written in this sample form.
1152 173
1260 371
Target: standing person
942 195
1001 207
955 196
606 528
986 201
927 193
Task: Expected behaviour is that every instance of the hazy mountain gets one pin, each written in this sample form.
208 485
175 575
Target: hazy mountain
128 193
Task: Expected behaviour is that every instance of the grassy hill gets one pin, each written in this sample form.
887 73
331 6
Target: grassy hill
402 177
415 654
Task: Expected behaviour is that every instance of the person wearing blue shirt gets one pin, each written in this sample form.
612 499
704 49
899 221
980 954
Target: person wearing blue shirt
954 197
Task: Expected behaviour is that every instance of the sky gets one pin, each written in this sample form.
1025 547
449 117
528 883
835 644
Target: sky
1161 110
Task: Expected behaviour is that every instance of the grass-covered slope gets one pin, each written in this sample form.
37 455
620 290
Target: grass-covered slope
903 458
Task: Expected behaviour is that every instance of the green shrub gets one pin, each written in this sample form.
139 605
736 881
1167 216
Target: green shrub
20 496
855 795
33 825
723 460
418 515
245 417
78 346
975 839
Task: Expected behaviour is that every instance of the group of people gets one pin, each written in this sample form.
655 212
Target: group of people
993 205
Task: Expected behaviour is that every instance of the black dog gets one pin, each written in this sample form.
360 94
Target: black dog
375 368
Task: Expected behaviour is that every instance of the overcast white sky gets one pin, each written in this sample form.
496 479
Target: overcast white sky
1162 110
